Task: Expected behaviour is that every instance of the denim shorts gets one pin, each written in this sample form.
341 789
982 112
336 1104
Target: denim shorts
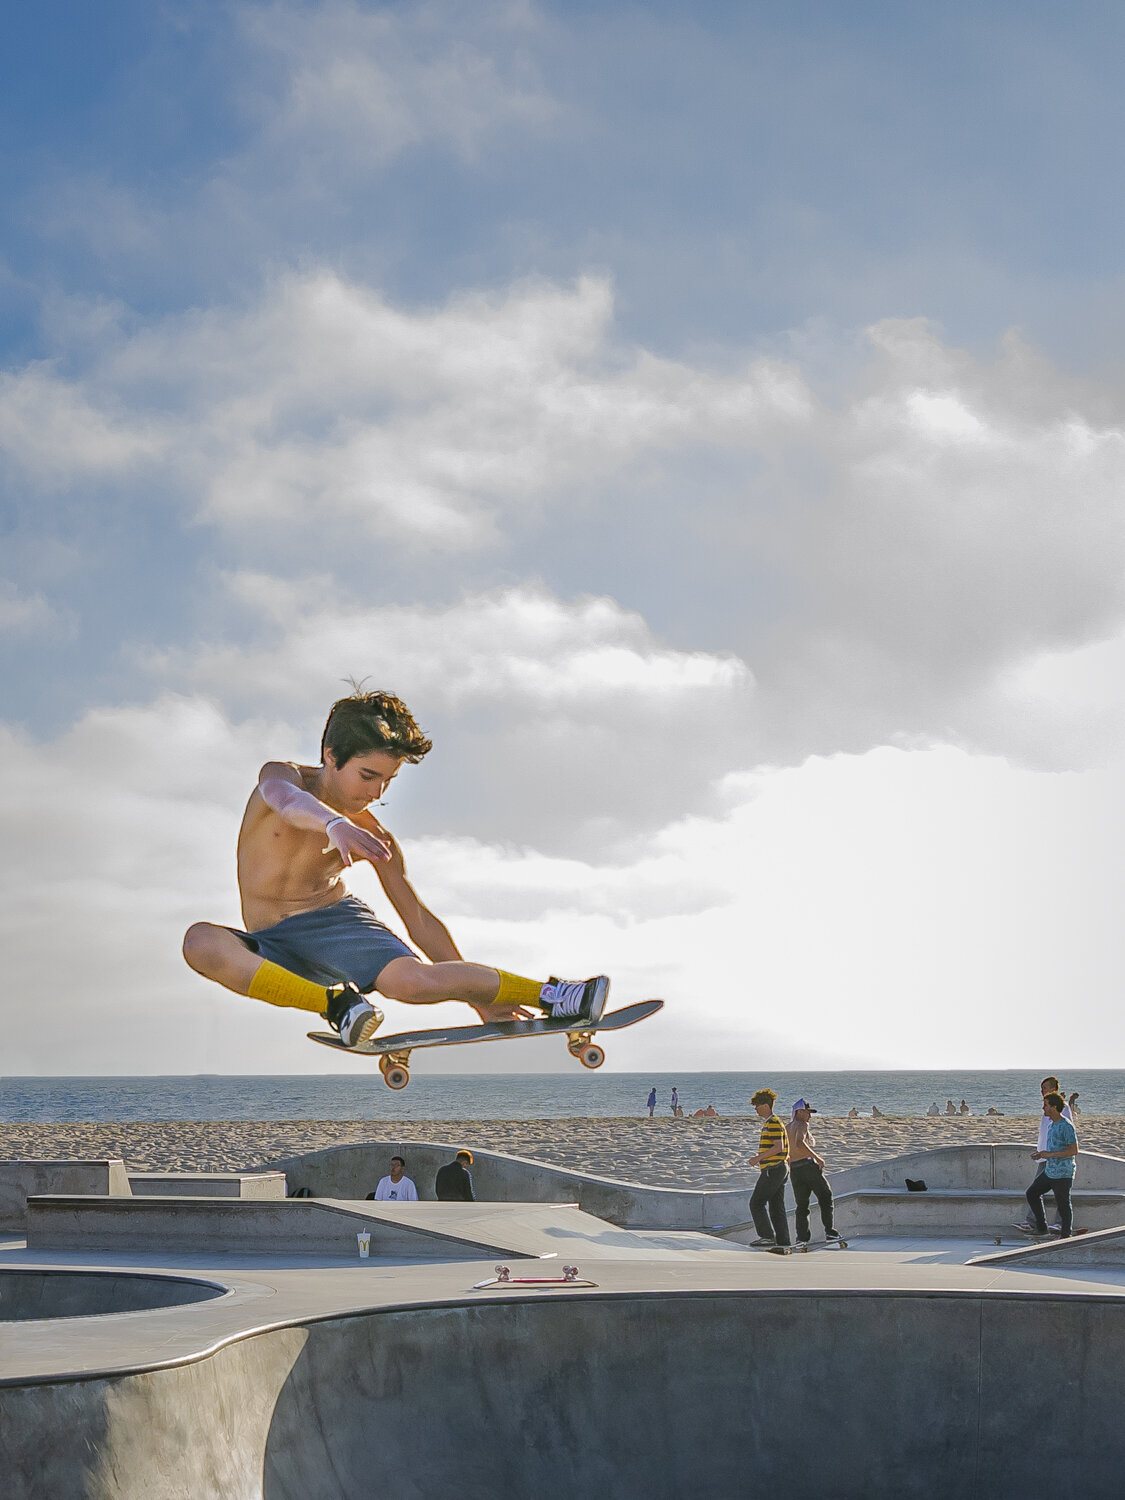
331 945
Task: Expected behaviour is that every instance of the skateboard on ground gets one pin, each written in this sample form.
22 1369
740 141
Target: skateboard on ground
800 1249
394 1052
504 1277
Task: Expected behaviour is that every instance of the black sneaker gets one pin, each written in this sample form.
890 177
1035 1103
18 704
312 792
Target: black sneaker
831 1234
576 999
351 1015
764 1242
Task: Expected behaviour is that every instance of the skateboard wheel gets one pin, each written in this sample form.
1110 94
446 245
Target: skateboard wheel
396 1076
570 1273
591 1055
502 1273
384 1062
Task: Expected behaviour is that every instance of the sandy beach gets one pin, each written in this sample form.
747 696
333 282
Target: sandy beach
662 1152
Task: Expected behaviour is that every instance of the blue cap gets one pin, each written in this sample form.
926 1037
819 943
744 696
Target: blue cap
804 1104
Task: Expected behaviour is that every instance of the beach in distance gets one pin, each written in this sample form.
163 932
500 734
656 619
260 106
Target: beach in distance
663 1152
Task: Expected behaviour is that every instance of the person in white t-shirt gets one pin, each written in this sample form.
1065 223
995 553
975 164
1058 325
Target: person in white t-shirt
397 1187
1050 1085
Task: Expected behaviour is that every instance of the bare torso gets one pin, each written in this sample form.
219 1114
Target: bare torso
802 1142
283 870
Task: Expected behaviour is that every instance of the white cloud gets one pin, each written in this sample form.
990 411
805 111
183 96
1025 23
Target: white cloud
556 722
959 909
23 613
359 86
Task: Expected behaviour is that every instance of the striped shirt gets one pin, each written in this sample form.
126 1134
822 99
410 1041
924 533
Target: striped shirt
773 1135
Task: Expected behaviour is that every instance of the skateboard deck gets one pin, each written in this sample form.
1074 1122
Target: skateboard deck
393 1052
504 1277
799 1249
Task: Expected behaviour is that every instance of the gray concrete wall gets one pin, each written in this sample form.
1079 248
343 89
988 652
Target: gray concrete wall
911 1397
353 1171
187 1226
19 1180
248 1185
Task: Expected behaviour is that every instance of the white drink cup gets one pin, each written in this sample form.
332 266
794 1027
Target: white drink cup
364 1240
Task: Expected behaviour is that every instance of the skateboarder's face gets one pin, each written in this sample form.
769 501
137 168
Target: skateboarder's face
360 781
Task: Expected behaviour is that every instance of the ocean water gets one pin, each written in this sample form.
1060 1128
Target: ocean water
542 1096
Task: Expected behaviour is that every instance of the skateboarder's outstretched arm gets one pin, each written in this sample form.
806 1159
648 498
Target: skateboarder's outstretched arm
281 789
425 930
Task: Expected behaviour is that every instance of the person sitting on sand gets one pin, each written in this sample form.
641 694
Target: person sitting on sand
877 1113
711 1112
933 1111
950 1107
992 1110
767 1202
965 1110
853 1113
310 945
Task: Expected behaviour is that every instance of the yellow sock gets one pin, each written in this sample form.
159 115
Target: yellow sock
515 990
277 986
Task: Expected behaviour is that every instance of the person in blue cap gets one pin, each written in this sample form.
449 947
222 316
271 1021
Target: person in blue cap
806 1172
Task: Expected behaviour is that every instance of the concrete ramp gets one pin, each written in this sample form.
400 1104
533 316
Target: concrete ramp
321 1226
1103 1248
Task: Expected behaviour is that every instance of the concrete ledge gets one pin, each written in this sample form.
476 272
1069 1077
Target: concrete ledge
245 1185
20 1180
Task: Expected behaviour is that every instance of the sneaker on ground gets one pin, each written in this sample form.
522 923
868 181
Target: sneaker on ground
576 999
762 1243
352 1015
831 1234
1024 1224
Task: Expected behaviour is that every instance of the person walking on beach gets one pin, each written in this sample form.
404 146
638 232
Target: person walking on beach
1059 1158
651 1102
310 945
396 1187
454 1181
675 1099
1049 1085
767 1202
806 1169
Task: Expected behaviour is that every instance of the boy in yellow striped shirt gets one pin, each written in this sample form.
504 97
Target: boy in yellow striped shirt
767 1202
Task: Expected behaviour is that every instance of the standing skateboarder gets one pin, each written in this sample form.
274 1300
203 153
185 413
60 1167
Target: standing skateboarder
806 1169
767 1202
308 944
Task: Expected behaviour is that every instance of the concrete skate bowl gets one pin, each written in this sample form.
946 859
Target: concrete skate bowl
35 1294
687 1396
707 1397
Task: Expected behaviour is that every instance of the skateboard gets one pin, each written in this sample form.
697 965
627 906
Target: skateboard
504 1277
394 1052
800 1249
1051 1233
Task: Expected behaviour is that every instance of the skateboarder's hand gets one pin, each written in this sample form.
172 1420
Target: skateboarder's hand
352 843
490 1011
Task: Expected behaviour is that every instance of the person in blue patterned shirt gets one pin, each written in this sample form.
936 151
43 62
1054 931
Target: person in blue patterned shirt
1059 1158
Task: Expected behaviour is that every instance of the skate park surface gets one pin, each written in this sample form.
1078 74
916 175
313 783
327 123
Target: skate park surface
269 1361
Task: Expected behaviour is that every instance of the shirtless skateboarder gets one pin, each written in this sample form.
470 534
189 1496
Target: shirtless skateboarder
308 944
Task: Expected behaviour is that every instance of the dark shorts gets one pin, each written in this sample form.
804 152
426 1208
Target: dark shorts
334 944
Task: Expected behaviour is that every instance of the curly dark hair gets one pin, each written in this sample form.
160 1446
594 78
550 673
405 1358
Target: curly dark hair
765 1096
362 722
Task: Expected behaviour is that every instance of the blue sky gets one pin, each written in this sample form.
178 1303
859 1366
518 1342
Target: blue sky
714 395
